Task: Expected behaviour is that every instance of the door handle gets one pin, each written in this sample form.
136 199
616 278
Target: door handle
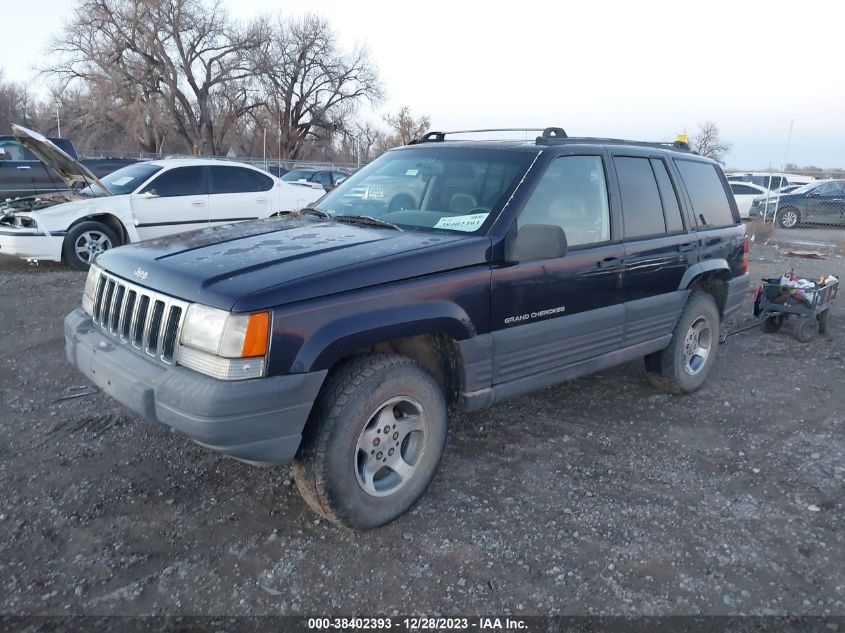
197 203
24 167
685 248
261 199
609 262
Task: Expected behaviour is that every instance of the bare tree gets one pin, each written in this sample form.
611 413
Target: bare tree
310 86
405 127
182 57
708 143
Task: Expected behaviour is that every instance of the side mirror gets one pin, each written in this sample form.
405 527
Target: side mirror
814 194
536 241
149 194
2 154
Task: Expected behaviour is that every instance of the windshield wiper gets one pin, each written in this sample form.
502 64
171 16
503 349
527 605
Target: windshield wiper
309 211
366 219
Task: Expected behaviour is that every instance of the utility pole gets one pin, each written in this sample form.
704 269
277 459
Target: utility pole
58 121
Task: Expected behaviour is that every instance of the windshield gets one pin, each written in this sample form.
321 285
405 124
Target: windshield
297 174
124 180
431 188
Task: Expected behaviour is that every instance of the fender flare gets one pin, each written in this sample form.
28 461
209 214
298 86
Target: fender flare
700 269
338 339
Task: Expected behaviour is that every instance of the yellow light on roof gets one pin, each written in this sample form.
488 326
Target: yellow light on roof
683 138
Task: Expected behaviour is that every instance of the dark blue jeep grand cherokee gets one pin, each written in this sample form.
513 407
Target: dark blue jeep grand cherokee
339 338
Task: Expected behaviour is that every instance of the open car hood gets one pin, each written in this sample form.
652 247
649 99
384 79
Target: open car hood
69 169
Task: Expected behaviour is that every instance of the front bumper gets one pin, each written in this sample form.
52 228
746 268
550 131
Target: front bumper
258 421
737 294
29 244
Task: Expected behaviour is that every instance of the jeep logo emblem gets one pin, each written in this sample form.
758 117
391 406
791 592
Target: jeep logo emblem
140 273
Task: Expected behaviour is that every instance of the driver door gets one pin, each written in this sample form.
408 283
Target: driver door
555 312
175 201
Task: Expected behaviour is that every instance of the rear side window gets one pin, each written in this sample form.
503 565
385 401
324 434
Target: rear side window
709 201
238 180
641 206
671 206
182 181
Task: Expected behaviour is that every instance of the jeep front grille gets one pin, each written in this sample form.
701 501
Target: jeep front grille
147 321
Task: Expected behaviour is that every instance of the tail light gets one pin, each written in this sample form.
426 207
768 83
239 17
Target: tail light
746 246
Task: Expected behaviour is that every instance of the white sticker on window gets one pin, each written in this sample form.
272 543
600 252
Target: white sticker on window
466 223
125 180
412 172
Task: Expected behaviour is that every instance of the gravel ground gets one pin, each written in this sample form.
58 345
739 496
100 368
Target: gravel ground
599 496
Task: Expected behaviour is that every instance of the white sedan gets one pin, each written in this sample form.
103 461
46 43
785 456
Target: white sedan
744 194
141 201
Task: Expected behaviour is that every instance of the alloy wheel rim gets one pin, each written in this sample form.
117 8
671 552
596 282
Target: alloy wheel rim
91 244
790 219
391 446
697 345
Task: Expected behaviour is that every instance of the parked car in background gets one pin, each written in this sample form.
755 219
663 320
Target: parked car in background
141 201
820 202
771 180
327 178
22 173
745 193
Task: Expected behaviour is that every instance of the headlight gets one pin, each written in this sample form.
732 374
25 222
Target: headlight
24 222
90 289
224 345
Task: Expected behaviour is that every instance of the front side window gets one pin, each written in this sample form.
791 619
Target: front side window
439 188
182 181
226 179
641 207
571 194
707 195
15 151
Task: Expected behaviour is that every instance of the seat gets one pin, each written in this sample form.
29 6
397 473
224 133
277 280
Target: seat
462 202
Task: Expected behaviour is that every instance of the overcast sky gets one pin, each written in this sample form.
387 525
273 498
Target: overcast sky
645 70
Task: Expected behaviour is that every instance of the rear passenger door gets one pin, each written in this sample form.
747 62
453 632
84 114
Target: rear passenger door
238 193
553 312
658 248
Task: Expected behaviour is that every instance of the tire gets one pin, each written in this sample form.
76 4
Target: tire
335 474
806 329
824 322
678 369
773 324
788 218
84 236
401 203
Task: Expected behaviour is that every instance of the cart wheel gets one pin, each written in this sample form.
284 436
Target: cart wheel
773 324
806 329
824 322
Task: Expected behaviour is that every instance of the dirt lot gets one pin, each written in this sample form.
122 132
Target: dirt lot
600 496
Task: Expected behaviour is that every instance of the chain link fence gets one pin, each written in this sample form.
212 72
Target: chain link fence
801 212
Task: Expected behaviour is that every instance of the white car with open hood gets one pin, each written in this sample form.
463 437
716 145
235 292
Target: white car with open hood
138 202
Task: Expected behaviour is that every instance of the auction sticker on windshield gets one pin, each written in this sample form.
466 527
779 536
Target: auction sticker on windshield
467 223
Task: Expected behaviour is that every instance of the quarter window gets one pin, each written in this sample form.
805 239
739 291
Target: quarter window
572 194
182 181
669 196
641 205
226 179
707 195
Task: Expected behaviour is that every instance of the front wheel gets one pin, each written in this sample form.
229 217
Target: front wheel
683 366
85 241
788 218
373 442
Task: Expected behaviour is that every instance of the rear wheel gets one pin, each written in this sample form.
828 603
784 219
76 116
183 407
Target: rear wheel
788 218
683 366
806 329
86 241
824 322
373 442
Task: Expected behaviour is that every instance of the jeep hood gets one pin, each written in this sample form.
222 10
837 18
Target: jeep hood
69 169
266 263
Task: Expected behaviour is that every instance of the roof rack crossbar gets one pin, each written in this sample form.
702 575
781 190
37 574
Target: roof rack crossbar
436 136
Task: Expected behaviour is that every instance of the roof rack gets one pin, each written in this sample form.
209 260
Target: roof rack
675 145
437 137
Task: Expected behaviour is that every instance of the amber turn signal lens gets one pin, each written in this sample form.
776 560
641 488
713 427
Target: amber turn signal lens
255 338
